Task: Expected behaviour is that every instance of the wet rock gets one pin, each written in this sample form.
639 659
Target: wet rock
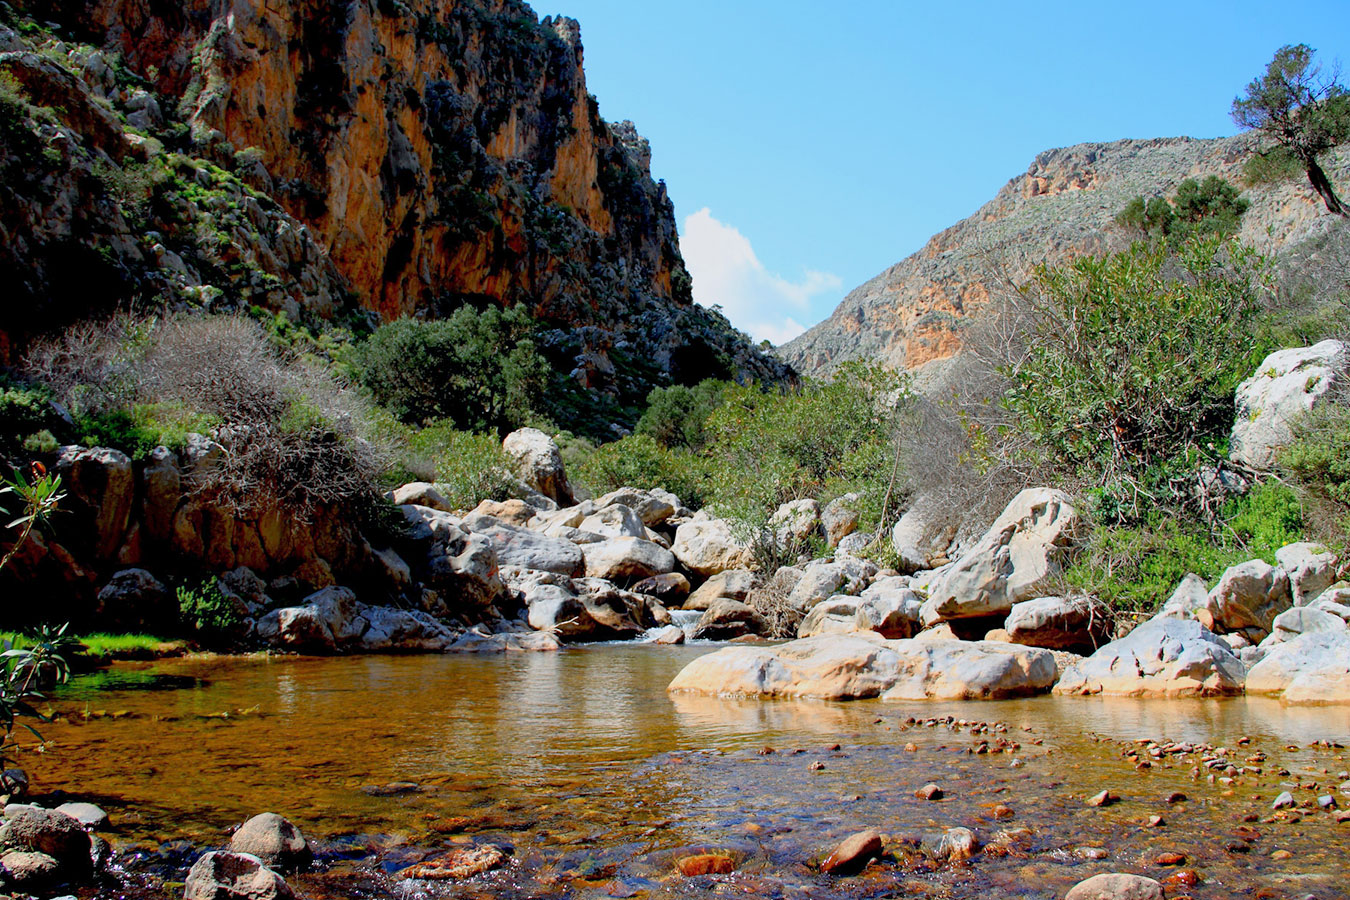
13 783
1285 800
705 864
1103 798
1311 668
843 667
734 584
1012 562
1169 858
1058 623
671 634
853 854
954 844
707 546
539 463
1287 385
87 814
929 792
134 598
626 557
274 840
1163 657
29 871
1116 886
220 875
671 588
726 619
54 833
457 864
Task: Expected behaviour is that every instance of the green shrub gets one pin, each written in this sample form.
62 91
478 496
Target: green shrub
142 428
1271 167
639 461
479 370
1211 207
206 611
676 415
24 411
467 467
1318 460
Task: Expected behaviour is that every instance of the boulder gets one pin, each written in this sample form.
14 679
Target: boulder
403 629
671 588
102 491
161 491
594 612
274 840
1311 569
220 875
821 580
1012 562
652 507
528 549
734 584
725 619
836 615
512 512
854 853
1115 886
1164 656
539 463
87 814
839 518
56 834
1335 601
1313 667
29 872
846 667
1287 385
1248 595
475 641
325 622
457 563
707 546
890 609
420 493
1302 620
626 557
916 539
1058 623
134 599
854 545
669 634
1189 600
615 520
795 521
245 584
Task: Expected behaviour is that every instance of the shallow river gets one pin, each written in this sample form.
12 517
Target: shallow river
597 781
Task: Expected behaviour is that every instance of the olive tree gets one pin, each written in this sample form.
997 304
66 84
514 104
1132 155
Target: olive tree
1305 112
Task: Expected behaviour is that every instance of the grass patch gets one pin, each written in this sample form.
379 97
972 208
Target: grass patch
103 645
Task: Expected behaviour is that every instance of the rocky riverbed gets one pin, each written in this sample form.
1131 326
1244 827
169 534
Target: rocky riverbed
576 774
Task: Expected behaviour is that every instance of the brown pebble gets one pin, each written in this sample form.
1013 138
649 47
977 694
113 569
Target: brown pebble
911 747
832 748
1176 797
767 751
1003 812
1105 798
1281 854
1156 822
706 864
1169 858
816 766
929 792
1184 878
853 853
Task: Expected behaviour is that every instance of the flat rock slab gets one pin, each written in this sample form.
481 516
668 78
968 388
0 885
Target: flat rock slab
850 667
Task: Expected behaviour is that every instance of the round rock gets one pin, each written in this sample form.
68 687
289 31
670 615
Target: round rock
274 840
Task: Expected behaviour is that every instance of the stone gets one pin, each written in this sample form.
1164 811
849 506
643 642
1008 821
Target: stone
669 635
13 783
846 667
1311 568
325 622
1058 623
274 840
956 844
1164 656
705 864
513 512
839 518
1284 800
795 521
837 615
420 493
245 584
1302 620
929 792
516 546
1189 600
1102 798
1287 385
135 599
87 814
853 853
1248 595
626 557
725 619
1014 560
822 580
734 584
220 875
889 609
1313 667
671 588
652 507
539 463
1116 886
613 521
102 491
707 546
458 864
54 833
29 871
916 538
161 490
389 628
455 562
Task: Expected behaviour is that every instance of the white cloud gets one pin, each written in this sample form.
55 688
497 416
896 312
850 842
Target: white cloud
726 271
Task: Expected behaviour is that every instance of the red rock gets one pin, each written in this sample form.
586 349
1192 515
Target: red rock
853 853
457 864
706 864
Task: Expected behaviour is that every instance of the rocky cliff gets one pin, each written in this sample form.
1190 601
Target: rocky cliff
917 311
392 157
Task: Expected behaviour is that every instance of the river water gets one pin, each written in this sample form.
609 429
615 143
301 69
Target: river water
597 781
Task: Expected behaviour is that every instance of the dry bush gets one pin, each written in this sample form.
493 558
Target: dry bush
292 434
771 602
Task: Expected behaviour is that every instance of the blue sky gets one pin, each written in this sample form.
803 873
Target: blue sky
807 146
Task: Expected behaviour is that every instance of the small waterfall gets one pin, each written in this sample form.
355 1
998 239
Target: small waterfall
685 619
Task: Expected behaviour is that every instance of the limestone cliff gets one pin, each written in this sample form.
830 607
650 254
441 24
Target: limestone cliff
411 155
916 312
